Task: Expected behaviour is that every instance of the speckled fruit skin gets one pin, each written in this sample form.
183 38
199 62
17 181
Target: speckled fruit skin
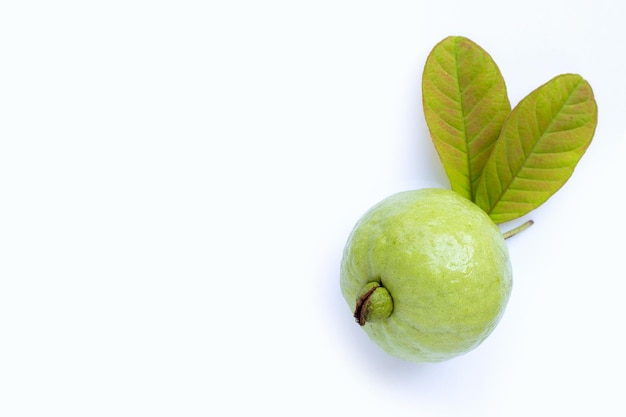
445 265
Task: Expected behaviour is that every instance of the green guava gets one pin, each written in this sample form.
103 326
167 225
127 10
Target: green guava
426 274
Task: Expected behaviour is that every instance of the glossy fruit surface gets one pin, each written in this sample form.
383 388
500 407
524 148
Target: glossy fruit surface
427 274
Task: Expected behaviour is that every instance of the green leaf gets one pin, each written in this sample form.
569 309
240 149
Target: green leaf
541 142
465 104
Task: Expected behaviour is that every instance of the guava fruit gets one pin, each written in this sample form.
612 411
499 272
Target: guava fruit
427 274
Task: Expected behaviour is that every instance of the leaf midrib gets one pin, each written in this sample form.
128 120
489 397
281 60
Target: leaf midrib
470 179
527 156
464 121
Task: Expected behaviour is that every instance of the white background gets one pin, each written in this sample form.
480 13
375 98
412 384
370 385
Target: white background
178 179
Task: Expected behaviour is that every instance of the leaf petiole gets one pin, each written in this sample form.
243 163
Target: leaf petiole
518 229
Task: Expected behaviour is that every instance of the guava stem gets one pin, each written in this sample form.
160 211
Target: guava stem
518 229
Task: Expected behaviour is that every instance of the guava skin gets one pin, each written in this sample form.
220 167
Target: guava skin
445 265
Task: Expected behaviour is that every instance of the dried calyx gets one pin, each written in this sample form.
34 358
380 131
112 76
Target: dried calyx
374 303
